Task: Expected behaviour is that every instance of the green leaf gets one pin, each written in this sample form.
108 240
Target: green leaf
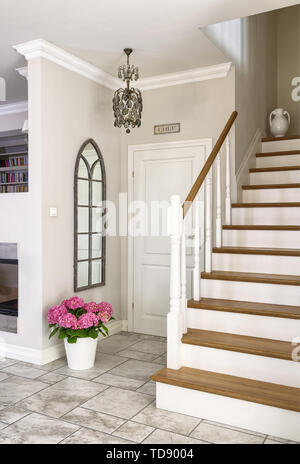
53 332
72 339
62 334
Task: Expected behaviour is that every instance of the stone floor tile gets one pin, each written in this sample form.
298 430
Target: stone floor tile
139 370
149 388
161 437
62 397
52 377
14 389
150 346
94 420
222 435
104 362
37 429
11 414
115 343
88 436
24 371
133 431
118 402
137 355
118 381
167 420
162 359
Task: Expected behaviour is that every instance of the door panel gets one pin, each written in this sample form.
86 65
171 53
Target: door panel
158 174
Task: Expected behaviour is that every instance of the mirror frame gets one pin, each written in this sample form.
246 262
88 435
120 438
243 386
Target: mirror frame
80 157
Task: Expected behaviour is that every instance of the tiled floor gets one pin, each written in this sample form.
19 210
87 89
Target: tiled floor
114 402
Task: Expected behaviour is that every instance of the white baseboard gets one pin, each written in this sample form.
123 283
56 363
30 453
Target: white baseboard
22 353
248 161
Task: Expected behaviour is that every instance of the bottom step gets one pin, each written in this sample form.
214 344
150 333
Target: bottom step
239 402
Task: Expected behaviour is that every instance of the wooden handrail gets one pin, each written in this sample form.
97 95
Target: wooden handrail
200 179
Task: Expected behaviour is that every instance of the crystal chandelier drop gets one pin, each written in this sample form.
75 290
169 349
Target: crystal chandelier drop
127 102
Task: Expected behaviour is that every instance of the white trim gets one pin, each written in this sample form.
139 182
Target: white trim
185 77
10 108
31 355
23 71
248 161
130 179
42 48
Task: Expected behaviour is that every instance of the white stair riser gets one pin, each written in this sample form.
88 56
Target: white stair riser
262 238
275 328
275 177
251 291
268 264
250 366
234 412
271 216
272 161
271 195
281 145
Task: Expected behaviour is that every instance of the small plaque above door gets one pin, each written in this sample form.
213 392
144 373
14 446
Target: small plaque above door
167 128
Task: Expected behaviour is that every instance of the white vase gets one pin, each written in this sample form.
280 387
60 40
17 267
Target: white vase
81 355
279 122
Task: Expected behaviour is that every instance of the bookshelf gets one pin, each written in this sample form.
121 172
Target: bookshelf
13 162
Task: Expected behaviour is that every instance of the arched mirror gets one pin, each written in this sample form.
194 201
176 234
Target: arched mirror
89 239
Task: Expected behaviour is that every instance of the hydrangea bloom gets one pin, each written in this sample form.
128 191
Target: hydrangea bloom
105 307
74 302
91 307
69 321
87 320
55 313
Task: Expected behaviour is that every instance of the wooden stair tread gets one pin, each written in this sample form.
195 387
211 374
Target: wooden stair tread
252 277
275 139
259 227
278 153
239 343
255 391
269 186
282 204
275 168
258 251
246 307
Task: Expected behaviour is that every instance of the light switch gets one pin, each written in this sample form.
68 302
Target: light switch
53 212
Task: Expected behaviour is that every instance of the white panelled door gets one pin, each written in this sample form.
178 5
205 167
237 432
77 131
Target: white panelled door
160 170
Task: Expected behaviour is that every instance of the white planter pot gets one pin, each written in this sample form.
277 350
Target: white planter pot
81 355
279 124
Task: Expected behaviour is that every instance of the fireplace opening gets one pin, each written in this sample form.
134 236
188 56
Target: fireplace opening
8 287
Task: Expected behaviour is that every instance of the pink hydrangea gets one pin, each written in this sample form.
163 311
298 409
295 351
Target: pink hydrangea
91 307
74 302
55 313
105 307
104 316
87 320
68 321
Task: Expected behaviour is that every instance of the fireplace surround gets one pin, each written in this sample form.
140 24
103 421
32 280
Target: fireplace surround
8 286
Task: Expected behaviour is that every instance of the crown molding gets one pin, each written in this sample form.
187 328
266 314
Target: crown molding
23 71
185 77
10 108
42 48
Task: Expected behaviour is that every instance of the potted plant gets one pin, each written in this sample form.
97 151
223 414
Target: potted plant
79 324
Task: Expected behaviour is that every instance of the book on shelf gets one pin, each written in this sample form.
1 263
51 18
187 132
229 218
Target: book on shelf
14 162
13 188
13 177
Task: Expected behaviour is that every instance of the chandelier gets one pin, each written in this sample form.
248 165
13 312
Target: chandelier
127 102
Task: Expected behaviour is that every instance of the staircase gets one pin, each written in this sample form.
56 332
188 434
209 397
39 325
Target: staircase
233 349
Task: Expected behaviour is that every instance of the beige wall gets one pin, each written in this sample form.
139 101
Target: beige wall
251 44
202 108
288 64
74 109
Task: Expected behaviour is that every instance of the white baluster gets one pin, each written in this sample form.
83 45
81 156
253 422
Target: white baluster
183 279
196 270
174 317
218 204
228 192
208 215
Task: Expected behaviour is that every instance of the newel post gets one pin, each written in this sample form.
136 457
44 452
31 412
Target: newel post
174 317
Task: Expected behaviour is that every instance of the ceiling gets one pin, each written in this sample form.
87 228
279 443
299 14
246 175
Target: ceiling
164 34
